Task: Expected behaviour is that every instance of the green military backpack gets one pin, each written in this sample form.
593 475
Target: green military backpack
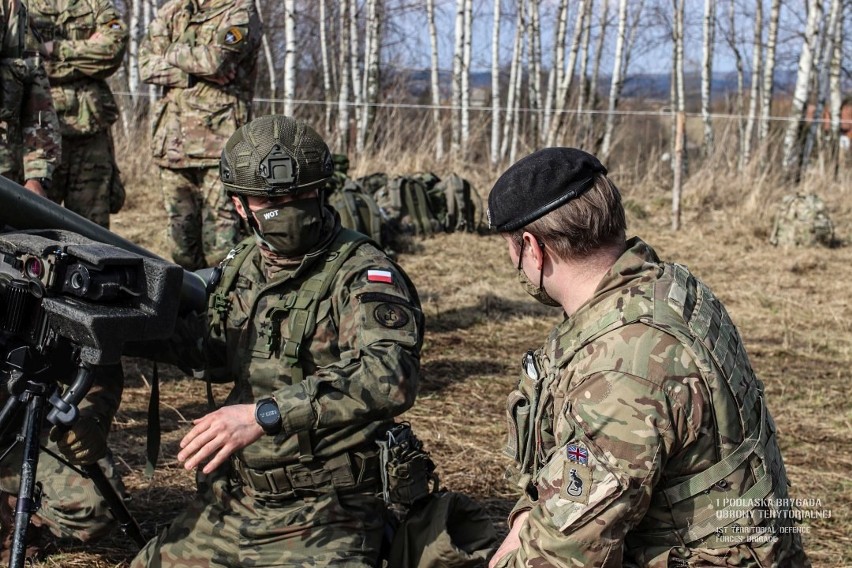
461 203
802 221
358 211
408 203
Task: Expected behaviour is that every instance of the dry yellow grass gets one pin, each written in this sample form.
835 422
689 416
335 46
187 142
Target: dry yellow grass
792 308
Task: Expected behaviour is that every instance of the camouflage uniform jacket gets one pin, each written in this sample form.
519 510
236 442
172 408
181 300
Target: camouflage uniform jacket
29 130
634 426
79 65
204 54
361 365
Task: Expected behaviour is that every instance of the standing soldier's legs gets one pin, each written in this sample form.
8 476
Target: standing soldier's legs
221 229
85 178
183 208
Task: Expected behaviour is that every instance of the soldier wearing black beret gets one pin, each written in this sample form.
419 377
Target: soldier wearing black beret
639 430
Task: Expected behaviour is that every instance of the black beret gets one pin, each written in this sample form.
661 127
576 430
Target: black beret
539 183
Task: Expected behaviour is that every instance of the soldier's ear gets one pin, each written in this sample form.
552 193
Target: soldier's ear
239 207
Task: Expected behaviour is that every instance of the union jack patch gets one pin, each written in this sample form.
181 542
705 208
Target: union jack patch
578 454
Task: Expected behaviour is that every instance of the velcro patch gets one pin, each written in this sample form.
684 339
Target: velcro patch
576 484
115 24
390 315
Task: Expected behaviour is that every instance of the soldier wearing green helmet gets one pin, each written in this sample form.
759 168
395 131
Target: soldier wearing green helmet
320 332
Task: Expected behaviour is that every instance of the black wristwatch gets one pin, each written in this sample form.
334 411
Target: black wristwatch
266 414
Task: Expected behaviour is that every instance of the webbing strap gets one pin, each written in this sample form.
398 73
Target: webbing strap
703 481
152 445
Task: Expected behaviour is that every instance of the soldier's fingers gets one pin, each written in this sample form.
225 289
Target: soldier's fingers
193 445
221 457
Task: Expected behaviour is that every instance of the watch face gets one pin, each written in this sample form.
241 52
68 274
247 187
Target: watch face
267 413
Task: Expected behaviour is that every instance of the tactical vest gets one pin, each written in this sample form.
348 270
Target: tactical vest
300 306
681 306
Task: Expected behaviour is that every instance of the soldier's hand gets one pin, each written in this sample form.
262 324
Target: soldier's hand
512 540
46 49
84 443
35 186
218 435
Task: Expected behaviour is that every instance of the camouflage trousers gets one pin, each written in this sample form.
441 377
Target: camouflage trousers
71 505
229 526
203 223
87 181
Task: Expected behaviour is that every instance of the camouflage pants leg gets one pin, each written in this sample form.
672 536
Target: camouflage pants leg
203 223
71 505
226 527
85 178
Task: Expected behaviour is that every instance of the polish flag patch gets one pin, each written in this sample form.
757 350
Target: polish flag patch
380 276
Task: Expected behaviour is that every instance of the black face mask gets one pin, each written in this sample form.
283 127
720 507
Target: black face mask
537 292
290 229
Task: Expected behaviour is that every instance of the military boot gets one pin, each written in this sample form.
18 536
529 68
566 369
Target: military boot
36 538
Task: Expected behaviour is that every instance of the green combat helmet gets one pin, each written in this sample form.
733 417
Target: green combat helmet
274 155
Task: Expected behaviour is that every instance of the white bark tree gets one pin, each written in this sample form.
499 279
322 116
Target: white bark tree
495 82
617 81
534 68
458 64
707 73
133 51
823 78
596 66
267 55
679 161
355 62
584 60
769 69
563 88
754 95
557 67
465 79
514 81
792 160
733 40
371 75
149 10
435 80
326 63
835 91
289 56
343 95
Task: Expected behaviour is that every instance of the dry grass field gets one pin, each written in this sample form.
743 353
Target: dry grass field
792 307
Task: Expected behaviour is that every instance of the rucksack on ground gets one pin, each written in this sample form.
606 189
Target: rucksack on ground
405 200
358 211
802 221
463 207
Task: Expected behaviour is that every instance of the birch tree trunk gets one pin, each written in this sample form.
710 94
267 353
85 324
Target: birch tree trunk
822 83
458 63
465 79
596 67
616 83
707 73
792 161
680 156
557 67
495 83
534 69
355 64
435 80
514 73
148 10
267 54
516 115
133 53
733 40
326 63
289 56
371 78
343 95
769 69
835 93
754 95
584 60
564 86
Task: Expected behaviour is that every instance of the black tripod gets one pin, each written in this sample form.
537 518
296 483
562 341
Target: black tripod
30 385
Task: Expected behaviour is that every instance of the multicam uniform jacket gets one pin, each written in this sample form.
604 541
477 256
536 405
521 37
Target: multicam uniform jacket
204 54
78 66
642 437
360 365
30 140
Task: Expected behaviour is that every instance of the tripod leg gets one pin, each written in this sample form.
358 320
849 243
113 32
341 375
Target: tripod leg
29 465
128 524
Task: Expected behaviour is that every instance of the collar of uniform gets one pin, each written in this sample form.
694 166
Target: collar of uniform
638 261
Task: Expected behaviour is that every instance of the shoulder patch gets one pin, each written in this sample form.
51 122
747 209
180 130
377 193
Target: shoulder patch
233 36
115 24
385 276
390 315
